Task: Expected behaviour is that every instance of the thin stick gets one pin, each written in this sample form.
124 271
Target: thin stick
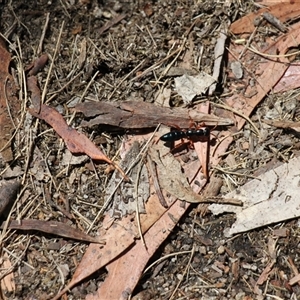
40 47
184 273
154 66
165 257
177 55
137 213
7 104
82 96
5 226
235 173
248 42
240 115
219 143
18 260
52 64
266 55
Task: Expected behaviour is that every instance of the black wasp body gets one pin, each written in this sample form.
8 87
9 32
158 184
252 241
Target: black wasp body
189 133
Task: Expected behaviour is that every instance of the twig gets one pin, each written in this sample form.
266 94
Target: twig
220 141
165 257
235 173
154 66
218 55
266 55
39 49
240 115
18 259
109 24
184 273
53 94
179 52
82 95
248 42
7 104
52 63
137 213
222 200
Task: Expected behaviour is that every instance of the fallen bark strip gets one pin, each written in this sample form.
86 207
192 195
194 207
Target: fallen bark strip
138 115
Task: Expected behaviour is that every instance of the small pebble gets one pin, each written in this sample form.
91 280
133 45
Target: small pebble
221 250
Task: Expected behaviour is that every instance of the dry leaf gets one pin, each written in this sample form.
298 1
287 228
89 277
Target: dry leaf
162 97
9 104
283 124
122 235
171 178
174 181
32 85
270 72
190 86
69 159
272 197
125 272
8 194
53 227
282 11
290 80
75 141
119 239
8 282
37 65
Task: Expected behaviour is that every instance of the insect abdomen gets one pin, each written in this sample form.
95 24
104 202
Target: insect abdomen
173 136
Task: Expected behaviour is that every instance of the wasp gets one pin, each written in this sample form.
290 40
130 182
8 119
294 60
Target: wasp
176 135
191 134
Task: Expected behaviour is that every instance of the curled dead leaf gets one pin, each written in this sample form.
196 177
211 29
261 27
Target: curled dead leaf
75 141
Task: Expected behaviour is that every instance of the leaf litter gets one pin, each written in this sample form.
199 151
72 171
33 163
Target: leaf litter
254 144
153 234
10 105
190 86
136 115
172 179
129 194
76 142
264 199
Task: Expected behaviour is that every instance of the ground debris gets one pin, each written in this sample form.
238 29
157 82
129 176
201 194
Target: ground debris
190 86
117 59
271 198
138 115
128 195
10 106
